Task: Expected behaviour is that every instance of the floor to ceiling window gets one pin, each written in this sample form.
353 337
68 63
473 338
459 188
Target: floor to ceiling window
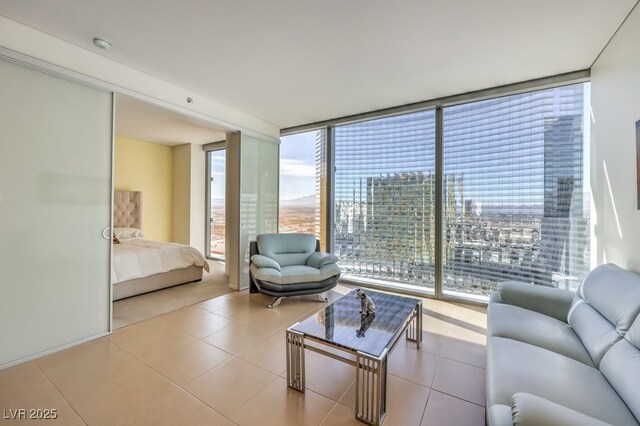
384 198
516 198
303 184
511 172
216 161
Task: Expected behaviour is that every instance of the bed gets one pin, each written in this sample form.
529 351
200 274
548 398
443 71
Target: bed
140 265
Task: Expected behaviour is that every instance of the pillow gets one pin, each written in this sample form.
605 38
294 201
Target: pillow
127 233
115 239
264 262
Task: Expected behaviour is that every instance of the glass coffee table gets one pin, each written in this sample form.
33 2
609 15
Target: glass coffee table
367 341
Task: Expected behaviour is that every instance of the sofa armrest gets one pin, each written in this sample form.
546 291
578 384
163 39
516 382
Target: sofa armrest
319 259
531 410
264 262
553 302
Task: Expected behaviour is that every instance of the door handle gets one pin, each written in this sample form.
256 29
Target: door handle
106 233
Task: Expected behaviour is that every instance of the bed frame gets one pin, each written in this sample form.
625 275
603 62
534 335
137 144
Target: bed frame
127 213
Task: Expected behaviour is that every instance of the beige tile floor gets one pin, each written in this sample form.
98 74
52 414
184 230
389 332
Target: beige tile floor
222 362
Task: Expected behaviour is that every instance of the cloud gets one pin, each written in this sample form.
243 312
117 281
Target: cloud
297 168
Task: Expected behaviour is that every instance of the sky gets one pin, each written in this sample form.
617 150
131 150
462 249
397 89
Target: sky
298 165
493 182
218 171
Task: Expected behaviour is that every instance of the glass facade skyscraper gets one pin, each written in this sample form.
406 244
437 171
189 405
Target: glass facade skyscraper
384 198
515 203
516 209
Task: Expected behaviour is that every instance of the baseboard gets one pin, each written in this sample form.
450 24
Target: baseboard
54 350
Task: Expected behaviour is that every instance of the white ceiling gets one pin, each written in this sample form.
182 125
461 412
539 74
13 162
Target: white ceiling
140 120
292 62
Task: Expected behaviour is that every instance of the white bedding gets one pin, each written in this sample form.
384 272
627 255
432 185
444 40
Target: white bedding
138 258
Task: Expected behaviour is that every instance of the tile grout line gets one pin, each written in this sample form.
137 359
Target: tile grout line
328 414
180 387
254 395
458 398
59 392
212 408
346 390
424 409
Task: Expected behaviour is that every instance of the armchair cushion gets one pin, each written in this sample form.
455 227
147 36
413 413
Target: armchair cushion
318 259
287 249
295 274
264 262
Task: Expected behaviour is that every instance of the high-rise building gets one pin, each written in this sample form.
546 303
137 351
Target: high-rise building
564 244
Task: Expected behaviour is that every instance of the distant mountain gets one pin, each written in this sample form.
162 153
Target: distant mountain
307 201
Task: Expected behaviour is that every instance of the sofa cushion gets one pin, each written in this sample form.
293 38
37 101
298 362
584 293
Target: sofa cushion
553 302
615 293
499 415
295 274
605 305
514 366
536 329
531 410
595 331
621 366
287 249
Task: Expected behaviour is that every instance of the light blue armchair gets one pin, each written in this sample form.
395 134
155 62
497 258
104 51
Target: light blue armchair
291 265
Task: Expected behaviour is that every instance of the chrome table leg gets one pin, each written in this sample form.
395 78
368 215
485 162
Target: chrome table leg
371 388
414 331
295 360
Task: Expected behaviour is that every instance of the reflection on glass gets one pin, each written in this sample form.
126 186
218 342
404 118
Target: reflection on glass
217 172
516 206
365 323
342 323
385 199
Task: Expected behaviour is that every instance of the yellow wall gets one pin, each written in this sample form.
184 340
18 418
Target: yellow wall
148 167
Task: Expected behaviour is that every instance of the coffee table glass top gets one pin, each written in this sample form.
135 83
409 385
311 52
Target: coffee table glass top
341 323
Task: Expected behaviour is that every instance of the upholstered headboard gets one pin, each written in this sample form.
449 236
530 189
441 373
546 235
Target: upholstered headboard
127 209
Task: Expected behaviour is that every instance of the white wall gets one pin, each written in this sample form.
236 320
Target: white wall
615 100
189 195
198 200
232 207
28 41
181 220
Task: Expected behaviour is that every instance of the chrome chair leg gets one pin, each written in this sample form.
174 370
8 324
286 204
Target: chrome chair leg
275 302
321 298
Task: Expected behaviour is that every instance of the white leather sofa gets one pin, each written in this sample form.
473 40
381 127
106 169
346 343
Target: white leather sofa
560 358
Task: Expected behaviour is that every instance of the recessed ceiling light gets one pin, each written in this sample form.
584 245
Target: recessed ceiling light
101 43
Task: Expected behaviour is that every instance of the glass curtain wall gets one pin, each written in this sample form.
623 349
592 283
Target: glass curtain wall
384 199
516 197
515 193
217 174
303 184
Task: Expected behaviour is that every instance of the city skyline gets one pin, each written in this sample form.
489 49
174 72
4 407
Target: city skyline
516 203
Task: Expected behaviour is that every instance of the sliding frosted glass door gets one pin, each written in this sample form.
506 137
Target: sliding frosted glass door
55 201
